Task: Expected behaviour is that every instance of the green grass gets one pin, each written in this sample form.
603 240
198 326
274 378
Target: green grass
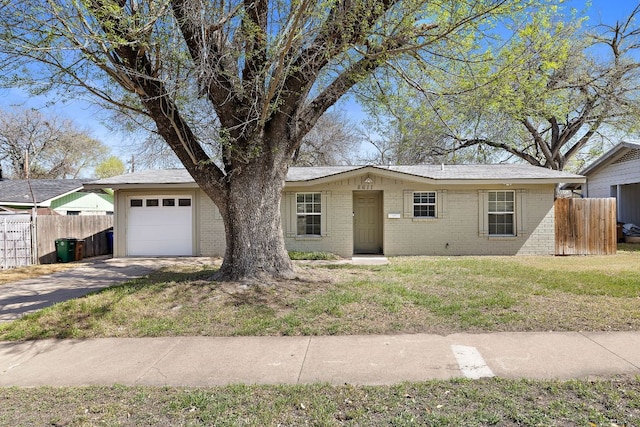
312 256
488 402
436 295
426 294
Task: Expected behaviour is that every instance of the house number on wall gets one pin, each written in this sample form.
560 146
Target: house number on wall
365 187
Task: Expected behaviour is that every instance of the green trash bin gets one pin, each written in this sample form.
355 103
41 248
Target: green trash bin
66 250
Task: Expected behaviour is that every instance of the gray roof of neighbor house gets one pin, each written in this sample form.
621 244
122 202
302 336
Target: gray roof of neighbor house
610 156
21 192
311 175
616 151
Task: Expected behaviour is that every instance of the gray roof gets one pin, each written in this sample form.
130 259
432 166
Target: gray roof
162 176
442 172
17 192
609 155
308 174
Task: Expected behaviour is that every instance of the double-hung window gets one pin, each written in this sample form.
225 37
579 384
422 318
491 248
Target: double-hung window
424 204
501 213
309 212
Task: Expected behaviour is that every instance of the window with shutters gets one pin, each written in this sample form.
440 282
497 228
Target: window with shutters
309 214
501 213
424 204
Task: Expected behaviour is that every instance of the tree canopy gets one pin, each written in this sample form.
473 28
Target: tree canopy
36 145
546 95
231 86
332 141
111 166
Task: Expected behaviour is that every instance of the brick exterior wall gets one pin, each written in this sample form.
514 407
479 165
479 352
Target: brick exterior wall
211 228
456 230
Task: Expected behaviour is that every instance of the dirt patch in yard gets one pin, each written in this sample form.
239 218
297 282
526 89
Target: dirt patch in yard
431 295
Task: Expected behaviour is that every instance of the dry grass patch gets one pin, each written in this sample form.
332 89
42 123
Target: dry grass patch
29 272
410 295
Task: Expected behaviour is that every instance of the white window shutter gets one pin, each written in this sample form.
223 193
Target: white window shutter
483 213
521 211
408 203
290 212
441 200
325 223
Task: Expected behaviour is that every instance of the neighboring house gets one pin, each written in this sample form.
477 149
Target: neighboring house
54 196
615 174
347 210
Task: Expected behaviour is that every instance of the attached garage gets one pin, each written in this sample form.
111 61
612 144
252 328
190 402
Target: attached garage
159 225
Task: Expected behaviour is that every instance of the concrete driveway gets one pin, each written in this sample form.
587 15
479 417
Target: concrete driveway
26 296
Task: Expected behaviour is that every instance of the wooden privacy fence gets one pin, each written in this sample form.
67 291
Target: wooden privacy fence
585 226
90 228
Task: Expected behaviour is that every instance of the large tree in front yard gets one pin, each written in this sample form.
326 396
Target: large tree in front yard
232 86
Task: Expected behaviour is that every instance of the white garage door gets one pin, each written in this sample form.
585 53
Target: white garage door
159 226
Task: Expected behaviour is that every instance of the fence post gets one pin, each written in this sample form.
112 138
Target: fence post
5 255
34 237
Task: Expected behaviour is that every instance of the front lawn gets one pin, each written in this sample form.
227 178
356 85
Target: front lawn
488 402
438 295
410 295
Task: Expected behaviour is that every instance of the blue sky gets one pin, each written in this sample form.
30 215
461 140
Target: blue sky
89 117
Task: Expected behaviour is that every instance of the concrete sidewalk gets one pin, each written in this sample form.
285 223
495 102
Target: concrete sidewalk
207 361
203 361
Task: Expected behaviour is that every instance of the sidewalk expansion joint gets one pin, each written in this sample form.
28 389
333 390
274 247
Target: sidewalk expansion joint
610 351
304 359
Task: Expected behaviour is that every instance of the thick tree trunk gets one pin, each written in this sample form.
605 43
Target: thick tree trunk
255 242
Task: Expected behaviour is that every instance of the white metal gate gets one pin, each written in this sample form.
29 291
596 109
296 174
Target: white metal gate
15 241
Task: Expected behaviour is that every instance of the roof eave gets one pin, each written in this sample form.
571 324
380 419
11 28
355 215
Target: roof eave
134 186
516 181
393 174
20 204
47 203
606 157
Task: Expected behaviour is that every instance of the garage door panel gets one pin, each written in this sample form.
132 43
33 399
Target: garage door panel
170 232
159 216
159 230
159 247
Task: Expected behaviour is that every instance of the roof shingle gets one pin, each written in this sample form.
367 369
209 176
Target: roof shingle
17 191
306 174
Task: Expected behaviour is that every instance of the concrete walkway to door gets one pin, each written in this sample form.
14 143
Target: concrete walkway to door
369 260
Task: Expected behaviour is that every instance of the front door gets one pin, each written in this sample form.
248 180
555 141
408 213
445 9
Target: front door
367 223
